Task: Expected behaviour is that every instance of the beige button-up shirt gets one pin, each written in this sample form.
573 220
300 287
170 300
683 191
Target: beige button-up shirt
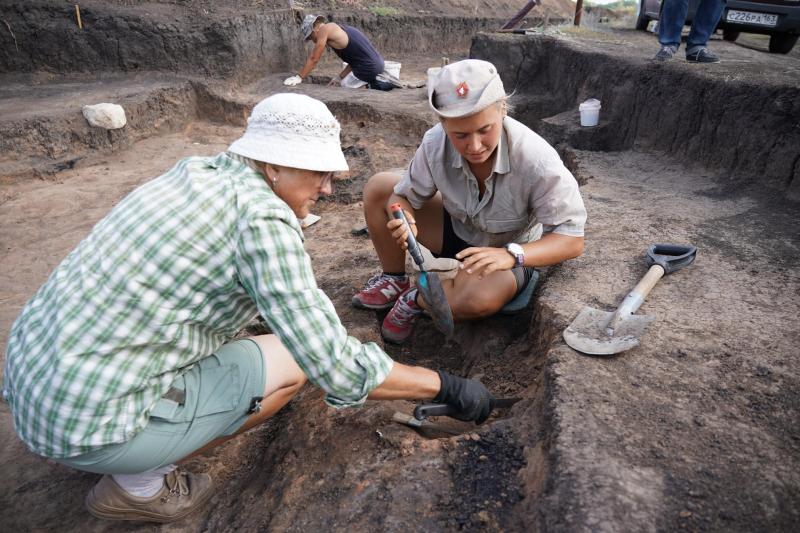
530 191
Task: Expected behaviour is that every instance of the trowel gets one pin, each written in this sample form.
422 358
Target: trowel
428 283
596 332
419 420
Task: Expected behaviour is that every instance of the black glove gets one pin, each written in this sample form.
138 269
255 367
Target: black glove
468 396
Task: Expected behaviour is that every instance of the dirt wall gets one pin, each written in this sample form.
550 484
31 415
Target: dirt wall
688 113
44 35
42 146
421 34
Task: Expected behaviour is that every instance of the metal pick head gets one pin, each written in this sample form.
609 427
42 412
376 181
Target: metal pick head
587 333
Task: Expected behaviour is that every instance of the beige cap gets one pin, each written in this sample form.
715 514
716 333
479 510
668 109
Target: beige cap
308 25
464 88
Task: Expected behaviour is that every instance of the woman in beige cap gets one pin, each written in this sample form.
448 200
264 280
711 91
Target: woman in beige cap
483 189
124 362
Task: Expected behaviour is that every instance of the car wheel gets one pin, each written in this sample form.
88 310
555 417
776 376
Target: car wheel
642 20
782 43
730 35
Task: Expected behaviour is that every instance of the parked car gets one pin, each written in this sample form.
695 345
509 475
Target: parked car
780 19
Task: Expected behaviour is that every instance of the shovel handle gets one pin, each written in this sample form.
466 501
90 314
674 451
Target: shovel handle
413 248
634 300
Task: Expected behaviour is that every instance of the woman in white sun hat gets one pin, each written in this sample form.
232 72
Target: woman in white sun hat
483 189
124 362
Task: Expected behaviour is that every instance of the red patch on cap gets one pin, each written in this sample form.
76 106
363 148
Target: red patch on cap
462 89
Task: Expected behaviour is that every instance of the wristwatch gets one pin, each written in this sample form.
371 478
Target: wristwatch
517 252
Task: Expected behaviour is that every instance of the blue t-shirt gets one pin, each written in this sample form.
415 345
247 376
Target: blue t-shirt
360 55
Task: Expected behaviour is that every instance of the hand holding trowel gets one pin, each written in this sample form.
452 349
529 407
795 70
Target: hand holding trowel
420 420
464 399
597 332
428 283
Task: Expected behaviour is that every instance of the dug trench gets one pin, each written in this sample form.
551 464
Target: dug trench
309 467
656 439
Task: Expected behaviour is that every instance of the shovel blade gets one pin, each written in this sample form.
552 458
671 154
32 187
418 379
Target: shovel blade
433 293
587 333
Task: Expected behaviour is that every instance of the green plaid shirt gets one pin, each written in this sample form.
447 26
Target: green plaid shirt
167 277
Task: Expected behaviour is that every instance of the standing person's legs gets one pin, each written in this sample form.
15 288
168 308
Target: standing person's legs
673 16
704 23
208 405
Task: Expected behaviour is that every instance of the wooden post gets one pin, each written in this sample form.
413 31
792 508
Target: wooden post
578 11
520 15
78 16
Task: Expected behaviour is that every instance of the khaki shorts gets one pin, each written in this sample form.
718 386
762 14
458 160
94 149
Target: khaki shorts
212 400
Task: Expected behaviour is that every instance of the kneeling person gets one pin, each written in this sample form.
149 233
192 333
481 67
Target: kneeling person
352 47
123 362
483 189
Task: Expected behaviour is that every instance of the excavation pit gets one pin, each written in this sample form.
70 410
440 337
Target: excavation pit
660 438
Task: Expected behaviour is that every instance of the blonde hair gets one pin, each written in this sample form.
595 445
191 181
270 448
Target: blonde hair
503 104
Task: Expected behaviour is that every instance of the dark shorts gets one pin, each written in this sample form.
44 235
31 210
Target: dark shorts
452 244
379 85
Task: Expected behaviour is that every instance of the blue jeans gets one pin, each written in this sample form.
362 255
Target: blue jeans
673 15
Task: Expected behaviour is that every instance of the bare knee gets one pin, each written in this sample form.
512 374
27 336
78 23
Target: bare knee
378 189
280 368
474 306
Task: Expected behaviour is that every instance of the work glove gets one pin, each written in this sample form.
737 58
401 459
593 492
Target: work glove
293 80
468 396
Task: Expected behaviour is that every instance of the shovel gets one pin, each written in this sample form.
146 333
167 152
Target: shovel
428 284
597 332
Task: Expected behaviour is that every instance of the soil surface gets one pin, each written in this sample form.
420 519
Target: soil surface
696 429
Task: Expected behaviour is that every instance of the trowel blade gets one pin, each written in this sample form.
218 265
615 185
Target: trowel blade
587 333
433 293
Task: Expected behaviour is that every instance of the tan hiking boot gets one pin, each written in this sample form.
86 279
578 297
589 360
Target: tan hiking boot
182 494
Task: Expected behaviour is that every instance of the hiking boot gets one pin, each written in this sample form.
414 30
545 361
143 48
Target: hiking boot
381 292
399 323
702 55
181 495
666 53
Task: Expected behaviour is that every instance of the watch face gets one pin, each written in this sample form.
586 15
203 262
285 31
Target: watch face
517 251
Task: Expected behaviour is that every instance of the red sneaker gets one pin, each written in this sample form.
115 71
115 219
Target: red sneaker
399 323
381 292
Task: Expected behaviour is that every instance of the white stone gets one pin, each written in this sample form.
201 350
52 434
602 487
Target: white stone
108 116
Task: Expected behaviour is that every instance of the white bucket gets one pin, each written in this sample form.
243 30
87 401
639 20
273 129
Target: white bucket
590 112
393 68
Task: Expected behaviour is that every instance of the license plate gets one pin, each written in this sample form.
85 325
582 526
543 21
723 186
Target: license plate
748 17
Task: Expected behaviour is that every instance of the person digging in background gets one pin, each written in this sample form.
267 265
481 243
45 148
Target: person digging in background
347 42
483 189
123 363
670 25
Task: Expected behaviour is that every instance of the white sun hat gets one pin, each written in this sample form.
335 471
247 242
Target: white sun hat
292 130
464 88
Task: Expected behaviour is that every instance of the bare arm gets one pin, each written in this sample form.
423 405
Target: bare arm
347 70
407 383
316 53
551 249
